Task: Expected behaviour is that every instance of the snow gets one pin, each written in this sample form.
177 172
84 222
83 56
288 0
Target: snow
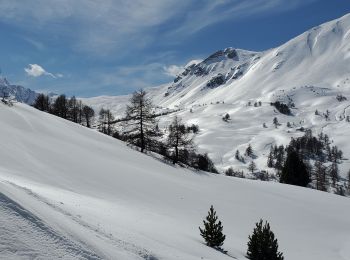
71 192
310 70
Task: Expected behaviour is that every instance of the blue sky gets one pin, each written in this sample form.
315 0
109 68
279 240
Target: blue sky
110 47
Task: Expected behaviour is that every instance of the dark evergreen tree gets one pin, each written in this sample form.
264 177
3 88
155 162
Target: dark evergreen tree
229 171
275 122
262 244
249 151
140 120
212 231
279 154
237 155
294 171
270 160
204 163
226 117
282 108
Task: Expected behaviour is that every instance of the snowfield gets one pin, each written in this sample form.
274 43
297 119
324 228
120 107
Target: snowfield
309 71
70 192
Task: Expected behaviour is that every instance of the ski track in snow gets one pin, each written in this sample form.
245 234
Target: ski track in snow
17 228
127 246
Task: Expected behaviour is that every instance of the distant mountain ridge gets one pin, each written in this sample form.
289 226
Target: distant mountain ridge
20 93
310 74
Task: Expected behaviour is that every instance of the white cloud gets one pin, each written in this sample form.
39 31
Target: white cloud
173 70
35 70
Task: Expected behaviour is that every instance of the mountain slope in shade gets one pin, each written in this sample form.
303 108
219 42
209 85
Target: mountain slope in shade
71 191
310 72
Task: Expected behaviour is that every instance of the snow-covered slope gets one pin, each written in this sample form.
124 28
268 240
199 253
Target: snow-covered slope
72 192
309 71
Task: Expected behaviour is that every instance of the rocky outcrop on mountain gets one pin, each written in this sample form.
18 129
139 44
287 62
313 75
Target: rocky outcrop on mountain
19 93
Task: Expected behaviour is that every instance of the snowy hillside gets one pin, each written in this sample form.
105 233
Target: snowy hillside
68 191
308 73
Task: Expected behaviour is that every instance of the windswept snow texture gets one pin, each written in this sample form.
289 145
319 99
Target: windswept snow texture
309 71
71 192
25 236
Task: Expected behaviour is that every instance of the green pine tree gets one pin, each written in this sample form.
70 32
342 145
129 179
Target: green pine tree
262 244
212 231
294 171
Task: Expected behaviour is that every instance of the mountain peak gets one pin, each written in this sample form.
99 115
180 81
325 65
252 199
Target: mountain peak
20 93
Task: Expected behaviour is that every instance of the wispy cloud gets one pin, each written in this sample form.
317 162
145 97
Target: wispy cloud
35 70
102 27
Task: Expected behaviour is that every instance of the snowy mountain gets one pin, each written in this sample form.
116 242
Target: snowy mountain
21 94
70 192
308 73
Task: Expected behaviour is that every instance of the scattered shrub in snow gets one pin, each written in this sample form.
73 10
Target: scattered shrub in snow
231 172
252 167
281 107
226 117
239 157
193 128
262 175
262 244
341 98
212 231
6 99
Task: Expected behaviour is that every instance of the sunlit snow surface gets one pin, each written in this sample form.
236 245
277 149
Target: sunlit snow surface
70 191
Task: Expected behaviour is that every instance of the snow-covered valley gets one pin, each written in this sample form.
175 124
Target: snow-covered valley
72 192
